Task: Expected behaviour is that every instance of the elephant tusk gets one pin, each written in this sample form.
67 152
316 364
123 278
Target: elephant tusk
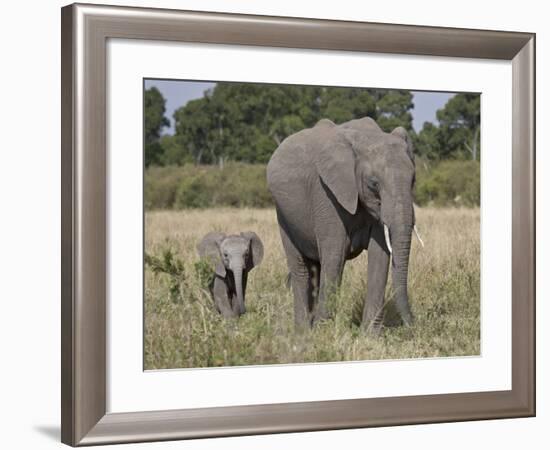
387 237
418 236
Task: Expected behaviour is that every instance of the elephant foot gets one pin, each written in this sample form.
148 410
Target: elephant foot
374 332
405 312
319 318
231 317
408 319
372 328
302 326
302 329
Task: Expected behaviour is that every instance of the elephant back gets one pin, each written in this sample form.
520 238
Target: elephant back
297 151
291 162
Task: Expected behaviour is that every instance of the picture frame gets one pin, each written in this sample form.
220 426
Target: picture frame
85 31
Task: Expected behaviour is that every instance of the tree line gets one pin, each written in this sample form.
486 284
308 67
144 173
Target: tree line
245 123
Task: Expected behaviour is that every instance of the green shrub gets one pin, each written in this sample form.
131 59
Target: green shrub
198 189
170 265
240 185
160 187
448 183
204 273
189 186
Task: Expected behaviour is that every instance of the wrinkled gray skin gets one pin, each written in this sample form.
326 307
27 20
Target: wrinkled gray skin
232 257
334 187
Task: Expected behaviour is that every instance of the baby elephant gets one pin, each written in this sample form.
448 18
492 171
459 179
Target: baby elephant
233 257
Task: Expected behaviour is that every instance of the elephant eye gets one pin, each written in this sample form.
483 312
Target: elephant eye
373 184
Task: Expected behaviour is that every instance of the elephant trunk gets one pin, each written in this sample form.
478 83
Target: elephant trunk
239 308
400 231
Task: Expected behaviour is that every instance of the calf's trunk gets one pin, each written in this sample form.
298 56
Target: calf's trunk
238 307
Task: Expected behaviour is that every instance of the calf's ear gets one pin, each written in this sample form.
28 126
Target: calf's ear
209 249
256 248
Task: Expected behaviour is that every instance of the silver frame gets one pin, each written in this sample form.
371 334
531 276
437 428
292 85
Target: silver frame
85 30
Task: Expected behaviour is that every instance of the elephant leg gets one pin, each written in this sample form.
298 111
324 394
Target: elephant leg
377 276
221 298
330 278
301 281
315 277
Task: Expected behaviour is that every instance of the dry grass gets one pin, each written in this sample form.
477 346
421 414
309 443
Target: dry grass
184 330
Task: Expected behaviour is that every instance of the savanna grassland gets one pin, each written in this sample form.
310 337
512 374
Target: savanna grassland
182 328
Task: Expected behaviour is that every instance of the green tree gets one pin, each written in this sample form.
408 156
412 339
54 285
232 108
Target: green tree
246 122
241 122
154 121
427 142
343 104
457 134
195 129
393 109
174 152
459 124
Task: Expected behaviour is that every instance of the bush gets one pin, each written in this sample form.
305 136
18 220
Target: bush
168 264
451 182
239 185
161 184
189 186
198 189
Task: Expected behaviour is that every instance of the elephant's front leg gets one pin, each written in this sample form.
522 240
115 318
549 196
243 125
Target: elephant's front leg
377 277
331 276
221 297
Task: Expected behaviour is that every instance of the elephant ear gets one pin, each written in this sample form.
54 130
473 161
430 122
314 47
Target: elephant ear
256 249
209 249
402 133
335 163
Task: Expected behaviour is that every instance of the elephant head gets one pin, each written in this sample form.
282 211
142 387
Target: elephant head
232 257
361 164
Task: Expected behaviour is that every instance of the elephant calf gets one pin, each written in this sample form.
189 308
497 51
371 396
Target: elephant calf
233 257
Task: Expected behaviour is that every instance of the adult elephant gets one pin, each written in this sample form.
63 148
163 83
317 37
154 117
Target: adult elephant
338 190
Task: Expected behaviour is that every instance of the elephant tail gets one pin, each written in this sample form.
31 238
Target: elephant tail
288 281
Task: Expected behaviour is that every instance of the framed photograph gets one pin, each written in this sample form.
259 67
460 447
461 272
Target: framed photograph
281 224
